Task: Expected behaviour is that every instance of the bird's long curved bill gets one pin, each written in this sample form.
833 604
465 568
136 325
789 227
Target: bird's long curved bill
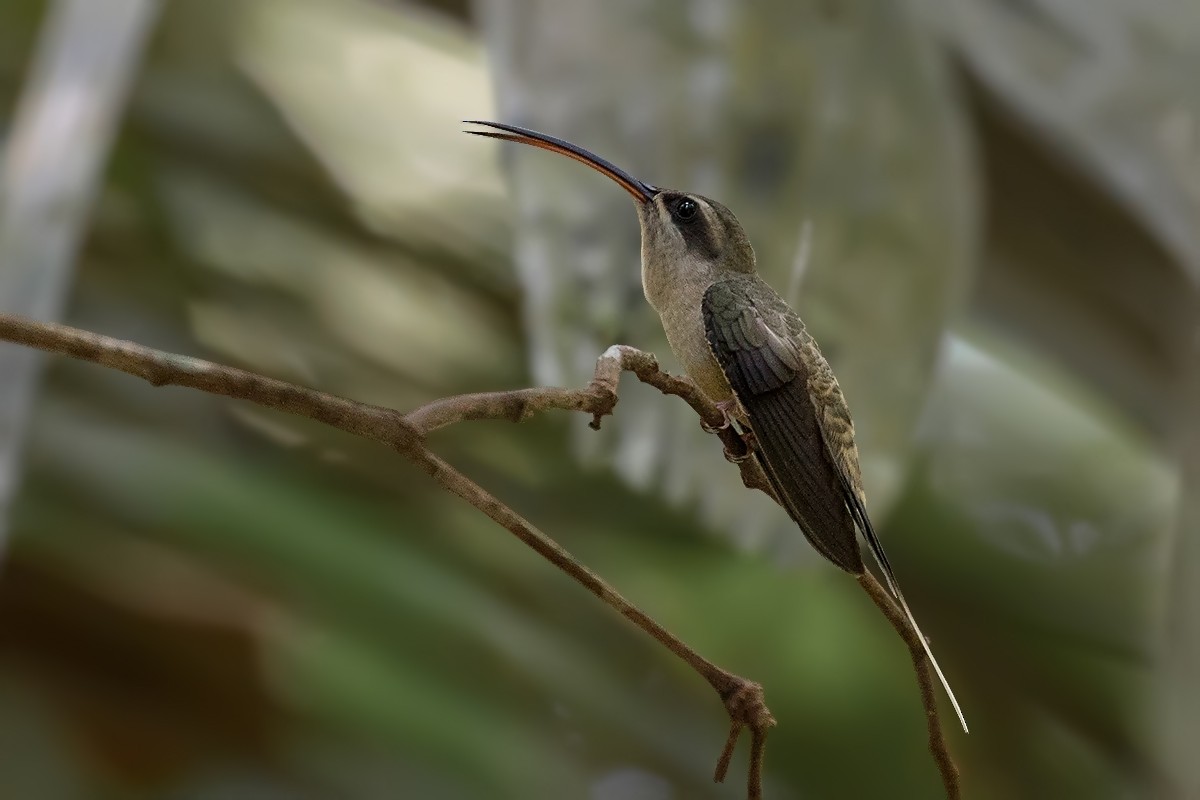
641 192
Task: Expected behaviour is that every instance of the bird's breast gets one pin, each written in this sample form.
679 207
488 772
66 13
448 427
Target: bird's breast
684 326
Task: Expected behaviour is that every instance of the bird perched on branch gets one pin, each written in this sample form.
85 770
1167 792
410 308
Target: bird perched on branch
750 353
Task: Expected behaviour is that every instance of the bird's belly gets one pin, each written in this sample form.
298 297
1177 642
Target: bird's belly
685 333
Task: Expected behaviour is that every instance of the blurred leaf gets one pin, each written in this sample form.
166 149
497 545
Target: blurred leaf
61 134
1094 124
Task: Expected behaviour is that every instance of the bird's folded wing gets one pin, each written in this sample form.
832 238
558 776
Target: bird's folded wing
750 331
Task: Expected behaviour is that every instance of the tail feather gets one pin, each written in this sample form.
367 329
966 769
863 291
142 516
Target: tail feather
876 548
929 653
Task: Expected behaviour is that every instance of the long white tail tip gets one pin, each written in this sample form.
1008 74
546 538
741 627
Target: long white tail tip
937 669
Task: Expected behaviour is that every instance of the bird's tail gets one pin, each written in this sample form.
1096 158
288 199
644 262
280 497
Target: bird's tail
859 512
933 661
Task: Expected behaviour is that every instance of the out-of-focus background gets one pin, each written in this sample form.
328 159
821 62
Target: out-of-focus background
988 212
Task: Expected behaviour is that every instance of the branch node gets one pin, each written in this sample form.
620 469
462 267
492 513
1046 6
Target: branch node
601 401
746 704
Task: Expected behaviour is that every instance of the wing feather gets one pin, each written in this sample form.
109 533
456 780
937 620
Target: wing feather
771 383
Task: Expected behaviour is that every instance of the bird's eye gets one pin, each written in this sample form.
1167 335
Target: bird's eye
686 209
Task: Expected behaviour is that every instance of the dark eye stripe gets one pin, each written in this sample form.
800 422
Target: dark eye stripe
699 234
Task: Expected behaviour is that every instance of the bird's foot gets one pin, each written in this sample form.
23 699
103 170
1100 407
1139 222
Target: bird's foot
725 407
749 443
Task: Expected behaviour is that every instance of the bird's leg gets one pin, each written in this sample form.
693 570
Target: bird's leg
726 409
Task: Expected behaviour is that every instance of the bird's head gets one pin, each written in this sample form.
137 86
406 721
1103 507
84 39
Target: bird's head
685 237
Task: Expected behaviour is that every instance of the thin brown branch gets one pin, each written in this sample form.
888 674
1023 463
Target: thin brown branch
743 699
937 739
161 368
598 398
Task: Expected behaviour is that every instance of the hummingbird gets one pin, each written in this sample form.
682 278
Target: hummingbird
750 354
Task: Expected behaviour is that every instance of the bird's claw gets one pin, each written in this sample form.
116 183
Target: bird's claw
749 442
725 406
737 459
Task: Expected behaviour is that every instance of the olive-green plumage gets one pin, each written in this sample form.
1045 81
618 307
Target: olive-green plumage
749 352
803 433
